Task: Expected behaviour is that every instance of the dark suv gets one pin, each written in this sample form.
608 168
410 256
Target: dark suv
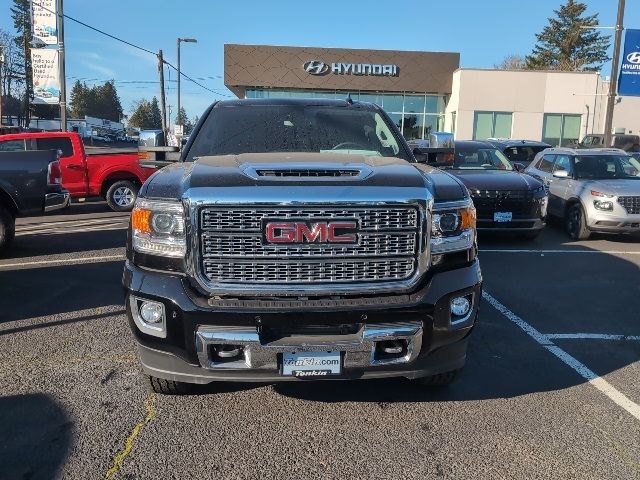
520 151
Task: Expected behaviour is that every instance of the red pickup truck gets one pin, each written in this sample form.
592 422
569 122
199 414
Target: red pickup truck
116 177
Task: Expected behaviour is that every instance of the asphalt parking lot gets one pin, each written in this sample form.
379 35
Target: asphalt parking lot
551 388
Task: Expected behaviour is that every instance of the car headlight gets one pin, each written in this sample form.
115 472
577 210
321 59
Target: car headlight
157 228
452 229
605 205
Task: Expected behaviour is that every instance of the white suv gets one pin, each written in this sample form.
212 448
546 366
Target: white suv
592 190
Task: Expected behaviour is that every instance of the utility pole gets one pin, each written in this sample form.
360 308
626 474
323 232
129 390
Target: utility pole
613 82
61 69
163 110
187 40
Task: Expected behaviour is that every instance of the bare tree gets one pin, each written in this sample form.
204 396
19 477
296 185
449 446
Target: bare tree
512 62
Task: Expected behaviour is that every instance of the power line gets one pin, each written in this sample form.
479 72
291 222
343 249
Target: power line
182 74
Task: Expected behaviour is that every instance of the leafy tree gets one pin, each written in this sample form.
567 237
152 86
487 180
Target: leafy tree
511 62
21 15
565 45
13 65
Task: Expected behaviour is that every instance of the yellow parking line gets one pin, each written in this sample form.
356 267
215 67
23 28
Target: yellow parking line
149 404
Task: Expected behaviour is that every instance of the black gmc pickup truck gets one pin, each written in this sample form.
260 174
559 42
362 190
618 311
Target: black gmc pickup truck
30 184
300 239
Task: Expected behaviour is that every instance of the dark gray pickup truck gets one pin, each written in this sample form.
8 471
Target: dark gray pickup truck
300 239
29 186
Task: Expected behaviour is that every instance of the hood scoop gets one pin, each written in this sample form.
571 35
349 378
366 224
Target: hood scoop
308 172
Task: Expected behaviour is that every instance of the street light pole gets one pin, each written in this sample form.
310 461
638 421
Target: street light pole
186 40
61 69
613 81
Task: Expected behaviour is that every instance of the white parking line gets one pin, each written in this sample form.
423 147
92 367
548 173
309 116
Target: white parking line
591 336
600 383
608 252
65 261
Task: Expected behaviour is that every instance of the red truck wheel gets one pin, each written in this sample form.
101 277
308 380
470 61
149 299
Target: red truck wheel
122 195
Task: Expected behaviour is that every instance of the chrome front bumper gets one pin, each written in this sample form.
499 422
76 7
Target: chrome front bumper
359 348
56 201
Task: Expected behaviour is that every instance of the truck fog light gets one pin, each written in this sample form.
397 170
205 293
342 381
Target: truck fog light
460 306
152 312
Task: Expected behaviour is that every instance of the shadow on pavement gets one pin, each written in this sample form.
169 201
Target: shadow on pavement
35 436
38 292
66 243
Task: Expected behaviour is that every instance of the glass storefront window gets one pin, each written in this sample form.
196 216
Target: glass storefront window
413 104
435 104
397 119
392 103
492 125
412 127
371 98
561 129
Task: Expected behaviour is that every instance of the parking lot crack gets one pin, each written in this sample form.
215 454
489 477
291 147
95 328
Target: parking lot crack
120 457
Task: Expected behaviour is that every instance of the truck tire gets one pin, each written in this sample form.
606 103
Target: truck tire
169 387
577 223
439 380
7 229
121 196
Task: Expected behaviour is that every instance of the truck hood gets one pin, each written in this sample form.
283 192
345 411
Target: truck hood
285 172
496 180
618 187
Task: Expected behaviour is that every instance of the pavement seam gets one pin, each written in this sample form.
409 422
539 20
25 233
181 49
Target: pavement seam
120 457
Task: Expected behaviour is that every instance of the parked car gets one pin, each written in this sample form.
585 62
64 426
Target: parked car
591 190
519 152
29 186
628 143
506 200
117 177
314 247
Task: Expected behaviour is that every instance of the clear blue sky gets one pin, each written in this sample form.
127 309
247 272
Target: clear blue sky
484 32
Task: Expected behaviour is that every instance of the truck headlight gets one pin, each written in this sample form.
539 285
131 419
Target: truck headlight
157 228
452 229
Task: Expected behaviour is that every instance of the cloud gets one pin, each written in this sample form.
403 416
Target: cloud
101 69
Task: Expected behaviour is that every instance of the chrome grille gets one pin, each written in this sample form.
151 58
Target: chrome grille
233 250
242 219
371 245
309 271
630 204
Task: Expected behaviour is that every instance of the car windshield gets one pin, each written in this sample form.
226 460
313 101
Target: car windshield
295 128
480 159
606 166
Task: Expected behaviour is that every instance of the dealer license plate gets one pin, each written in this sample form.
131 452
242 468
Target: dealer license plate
502 216
311 364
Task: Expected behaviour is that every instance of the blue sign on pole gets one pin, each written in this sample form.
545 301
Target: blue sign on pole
629 82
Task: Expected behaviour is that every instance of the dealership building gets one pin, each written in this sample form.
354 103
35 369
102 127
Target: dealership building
425 92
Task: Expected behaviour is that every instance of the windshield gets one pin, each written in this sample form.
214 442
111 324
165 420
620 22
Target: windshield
606 166
295 128
480 159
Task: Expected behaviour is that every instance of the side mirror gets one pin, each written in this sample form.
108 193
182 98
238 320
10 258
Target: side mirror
561 174
519 167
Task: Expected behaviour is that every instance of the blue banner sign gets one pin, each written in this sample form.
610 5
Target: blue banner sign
629 82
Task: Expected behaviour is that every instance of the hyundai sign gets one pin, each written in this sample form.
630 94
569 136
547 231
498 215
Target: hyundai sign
629 83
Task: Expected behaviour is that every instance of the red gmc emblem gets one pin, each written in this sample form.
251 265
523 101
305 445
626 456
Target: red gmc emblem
310 232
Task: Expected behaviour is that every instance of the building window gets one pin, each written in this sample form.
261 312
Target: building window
560 129
491 125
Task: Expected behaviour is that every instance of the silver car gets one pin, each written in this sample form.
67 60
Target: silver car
592 190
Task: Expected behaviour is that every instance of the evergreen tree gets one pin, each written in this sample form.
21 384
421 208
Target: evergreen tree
181 117
79 100
21 15
107 102
141 116
564 45
156 116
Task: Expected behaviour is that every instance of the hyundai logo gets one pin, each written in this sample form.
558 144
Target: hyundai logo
634 57
316 67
